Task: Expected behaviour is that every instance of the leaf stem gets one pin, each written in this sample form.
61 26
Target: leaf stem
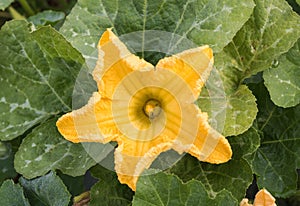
82 198
26 7
15 14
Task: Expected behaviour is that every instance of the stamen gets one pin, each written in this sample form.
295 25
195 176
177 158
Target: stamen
152 108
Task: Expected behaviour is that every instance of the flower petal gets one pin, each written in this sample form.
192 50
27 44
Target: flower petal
245 202
114 63
132 158
264 198
193 65
199 139
91 123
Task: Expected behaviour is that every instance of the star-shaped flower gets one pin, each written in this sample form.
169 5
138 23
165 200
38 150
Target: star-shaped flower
147 110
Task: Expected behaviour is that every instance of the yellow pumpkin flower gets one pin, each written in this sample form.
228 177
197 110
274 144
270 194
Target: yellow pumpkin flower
262 198
147 110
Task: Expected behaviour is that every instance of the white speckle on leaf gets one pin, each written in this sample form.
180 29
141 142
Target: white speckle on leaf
27 162
91 45
274 45
39 158
252 49
74 34
26 104
285 81
290 30
227 8
3 99
219 28
13 106
48 147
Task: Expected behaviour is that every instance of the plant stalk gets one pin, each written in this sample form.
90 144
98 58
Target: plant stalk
27 7
15 14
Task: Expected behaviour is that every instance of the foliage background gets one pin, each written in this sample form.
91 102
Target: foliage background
256 46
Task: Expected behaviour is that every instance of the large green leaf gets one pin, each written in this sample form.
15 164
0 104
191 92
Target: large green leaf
38 71
276 160
166 190
231 114
44 149
244 145
46 190
283 80
5 3
11 194
256 45
253 49
234 176
108 190
212 22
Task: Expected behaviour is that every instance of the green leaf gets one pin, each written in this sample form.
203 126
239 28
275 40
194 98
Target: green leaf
46 190
234 176
240 111
12 194
256 45
200 21
278 157
38 71
44 149
6 161
252 50
244 145
109 191
165 189
234 113
5 3
47 17
282 81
